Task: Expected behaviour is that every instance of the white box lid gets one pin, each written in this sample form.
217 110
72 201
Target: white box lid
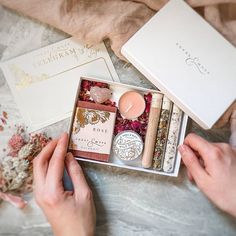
188 60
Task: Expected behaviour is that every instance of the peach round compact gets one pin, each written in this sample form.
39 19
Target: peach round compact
131 105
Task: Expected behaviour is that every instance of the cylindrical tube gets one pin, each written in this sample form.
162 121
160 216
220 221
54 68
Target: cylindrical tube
170 154
162 134
150 138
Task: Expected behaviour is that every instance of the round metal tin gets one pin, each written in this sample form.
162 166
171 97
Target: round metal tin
128 145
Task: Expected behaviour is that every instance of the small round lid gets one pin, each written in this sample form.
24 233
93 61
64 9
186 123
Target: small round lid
128 145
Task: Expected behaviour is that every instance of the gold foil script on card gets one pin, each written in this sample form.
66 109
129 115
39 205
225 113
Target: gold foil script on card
81 53
65 50
23 79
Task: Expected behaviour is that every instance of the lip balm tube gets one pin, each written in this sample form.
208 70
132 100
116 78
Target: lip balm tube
162 134
171 147
151 133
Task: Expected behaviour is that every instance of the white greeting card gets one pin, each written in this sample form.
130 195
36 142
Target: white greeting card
44 82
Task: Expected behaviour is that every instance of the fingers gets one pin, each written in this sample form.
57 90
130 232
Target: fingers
193 165
200 145
41 162
76 173
190 177
56 164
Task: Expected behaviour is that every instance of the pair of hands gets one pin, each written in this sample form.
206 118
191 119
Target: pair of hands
211 165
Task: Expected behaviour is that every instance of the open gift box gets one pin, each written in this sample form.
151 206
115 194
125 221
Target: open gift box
192 65
129 127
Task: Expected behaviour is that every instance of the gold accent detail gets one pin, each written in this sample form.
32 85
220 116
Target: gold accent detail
26 79
85 116
73 145
23 79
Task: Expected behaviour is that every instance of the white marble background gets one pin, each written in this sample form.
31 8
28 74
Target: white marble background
127 202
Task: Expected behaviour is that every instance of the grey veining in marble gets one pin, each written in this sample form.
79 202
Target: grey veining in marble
127 202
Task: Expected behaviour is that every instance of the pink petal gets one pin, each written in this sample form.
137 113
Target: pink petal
85 85
3 121
14 200
136 125
16 142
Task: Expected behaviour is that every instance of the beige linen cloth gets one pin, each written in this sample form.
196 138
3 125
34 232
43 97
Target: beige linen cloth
117 20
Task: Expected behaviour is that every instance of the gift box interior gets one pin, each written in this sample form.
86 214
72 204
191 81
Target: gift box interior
126 126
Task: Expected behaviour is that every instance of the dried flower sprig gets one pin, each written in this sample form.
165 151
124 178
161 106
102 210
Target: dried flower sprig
16 175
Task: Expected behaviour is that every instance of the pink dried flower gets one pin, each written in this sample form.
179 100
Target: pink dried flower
16 173
110 103
136 125
5 115
139 125
85 85
13 153
1 128
16 142
119 129
100 84
148 97
148 100
147 109
39 141
3 121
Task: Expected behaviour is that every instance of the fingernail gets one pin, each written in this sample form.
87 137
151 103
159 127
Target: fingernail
182 149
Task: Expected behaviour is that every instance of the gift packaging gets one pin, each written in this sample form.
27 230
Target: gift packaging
39 79
126 126
188 60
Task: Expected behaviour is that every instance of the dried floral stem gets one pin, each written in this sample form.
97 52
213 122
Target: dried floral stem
16 167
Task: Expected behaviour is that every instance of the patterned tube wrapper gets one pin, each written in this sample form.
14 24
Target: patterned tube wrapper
162 134
171 147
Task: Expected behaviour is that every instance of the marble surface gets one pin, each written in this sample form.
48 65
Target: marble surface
127 202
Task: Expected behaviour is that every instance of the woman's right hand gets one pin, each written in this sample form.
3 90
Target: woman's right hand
213 167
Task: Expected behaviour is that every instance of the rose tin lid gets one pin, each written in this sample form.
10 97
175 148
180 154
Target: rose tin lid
188 60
